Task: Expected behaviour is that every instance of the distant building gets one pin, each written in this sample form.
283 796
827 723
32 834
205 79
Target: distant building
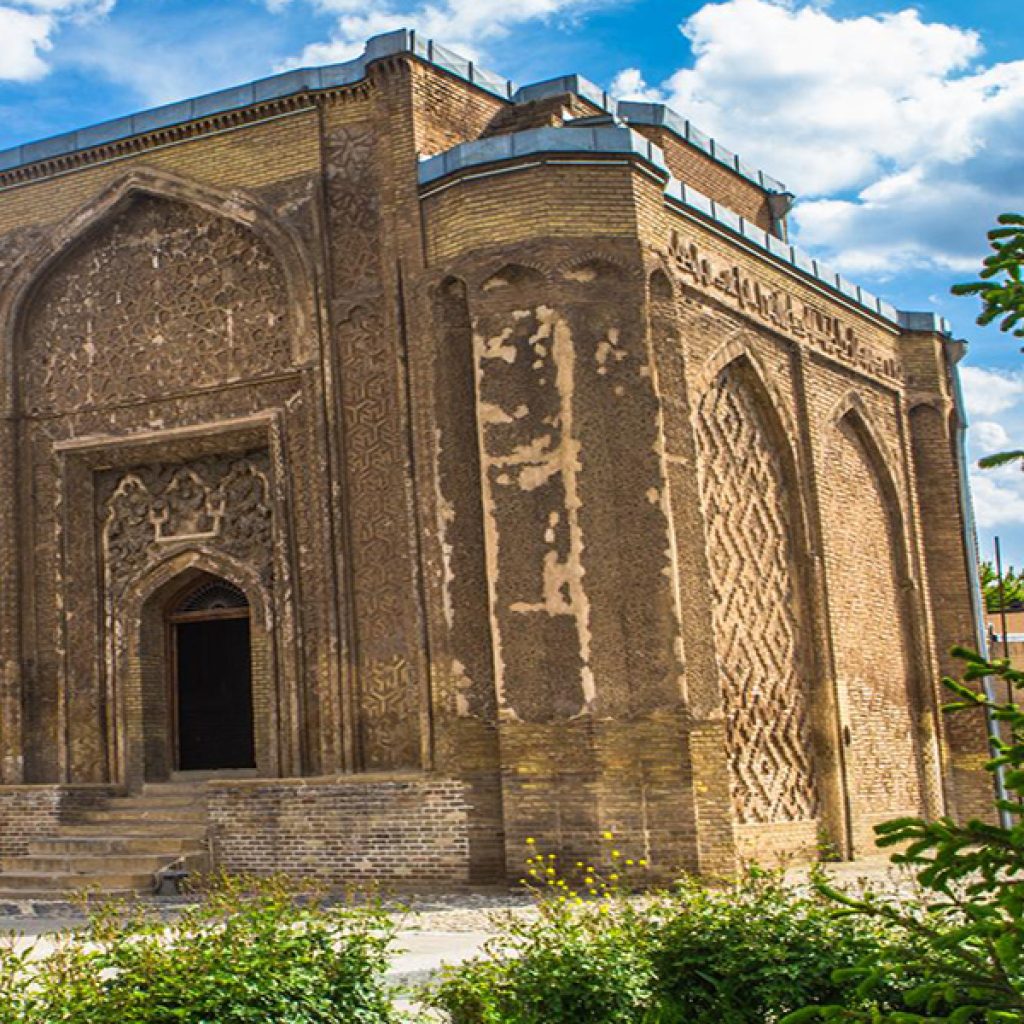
395 465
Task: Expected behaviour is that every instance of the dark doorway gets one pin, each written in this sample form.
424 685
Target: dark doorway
213 684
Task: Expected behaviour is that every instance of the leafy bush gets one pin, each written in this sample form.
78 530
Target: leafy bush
755 951
249 952
596 955
960 958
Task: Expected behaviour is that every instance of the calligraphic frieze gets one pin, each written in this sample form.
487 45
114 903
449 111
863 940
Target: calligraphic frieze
780 310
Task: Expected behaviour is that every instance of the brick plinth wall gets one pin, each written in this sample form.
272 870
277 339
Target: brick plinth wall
35 812
780 842
405 830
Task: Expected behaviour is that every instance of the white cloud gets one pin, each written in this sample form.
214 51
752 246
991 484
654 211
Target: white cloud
990 436
24 38
466 26
904 142
27 28
998 497
988 392
995 407
80 8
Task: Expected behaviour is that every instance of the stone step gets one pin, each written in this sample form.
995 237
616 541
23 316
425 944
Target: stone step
194 778
197 789
134 829
114 849
97 846
152 801
129 864
116 815
41 882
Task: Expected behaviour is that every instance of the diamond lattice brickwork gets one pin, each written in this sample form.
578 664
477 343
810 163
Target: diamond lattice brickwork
758 632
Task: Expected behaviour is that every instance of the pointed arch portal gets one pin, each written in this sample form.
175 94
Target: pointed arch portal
211 677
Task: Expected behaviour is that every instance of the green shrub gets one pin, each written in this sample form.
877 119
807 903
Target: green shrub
960 954
750 952
755 951
249 952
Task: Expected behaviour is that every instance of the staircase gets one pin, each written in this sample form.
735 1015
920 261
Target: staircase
114 850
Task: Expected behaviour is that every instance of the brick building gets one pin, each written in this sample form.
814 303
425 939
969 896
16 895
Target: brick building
395 464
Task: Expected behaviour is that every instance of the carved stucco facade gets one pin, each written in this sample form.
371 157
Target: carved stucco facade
531 483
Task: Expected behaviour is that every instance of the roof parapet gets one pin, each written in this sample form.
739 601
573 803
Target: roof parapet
604 138
927 322
576 84
620 139
330 76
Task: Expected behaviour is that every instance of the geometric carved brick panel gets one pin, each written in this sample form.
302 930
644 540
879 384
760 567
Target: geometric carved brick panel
383 570
163 298
759 636
352 207
389 700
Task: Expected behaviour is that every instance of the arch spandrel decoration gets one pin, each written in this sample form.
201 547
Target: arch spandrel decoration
757 612
160 297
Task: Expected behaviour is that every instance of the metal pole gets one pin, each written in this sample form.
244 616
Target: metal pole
1002 602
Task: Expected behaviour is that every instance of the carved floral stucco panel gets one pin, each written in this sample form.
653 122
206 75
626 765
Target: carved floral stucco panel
148 511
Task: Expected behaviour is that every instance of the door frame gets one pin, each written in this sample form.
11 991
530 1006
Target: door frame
172 620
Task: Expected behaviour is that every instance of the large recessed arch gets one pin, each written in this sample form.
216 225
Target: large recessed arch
756 543
878 662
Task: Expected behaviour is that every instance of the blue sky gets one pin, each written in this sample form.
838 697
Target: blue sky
900 127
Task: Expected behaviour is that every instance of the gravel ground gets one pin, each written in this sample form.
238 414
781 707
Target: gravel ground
458 911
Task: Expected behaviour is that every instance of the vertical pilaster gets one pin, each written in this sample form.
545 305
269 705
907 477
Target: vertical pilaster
578 548
12 754
945 580
707 744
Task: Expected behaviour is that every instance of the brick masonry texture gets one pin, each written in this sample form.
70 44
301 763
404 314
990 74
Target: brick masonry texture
554 508
35 812
412 831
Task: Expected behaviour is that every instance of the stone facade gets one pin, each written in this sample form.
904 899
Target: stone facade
560 494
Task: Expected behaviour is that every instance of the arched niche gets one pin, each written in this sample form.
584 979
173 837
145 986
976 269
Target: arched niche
755 545
876 662
460 525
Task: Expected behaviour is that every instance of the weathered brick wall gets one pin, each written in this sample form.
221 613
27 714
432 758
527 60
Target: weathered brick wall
483 442
780 843
581 203
848 560
35 812
411 830
446 112
714 179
